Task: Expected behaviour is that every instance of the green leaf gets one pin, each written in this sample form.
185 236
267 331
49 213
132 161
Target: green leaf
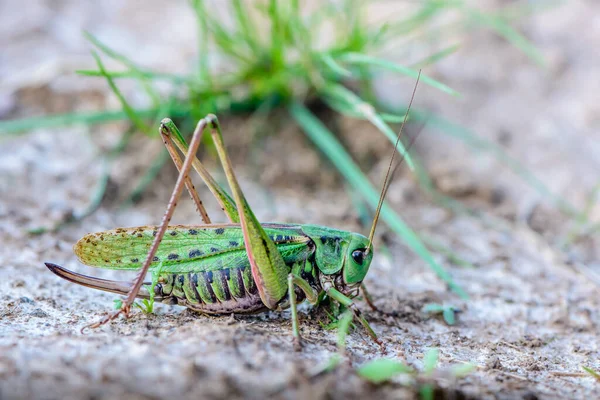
383 369
426 392
461 370
155 277
430 360
363 59
433 308
343 327
332 148
448 312
449 315
326 366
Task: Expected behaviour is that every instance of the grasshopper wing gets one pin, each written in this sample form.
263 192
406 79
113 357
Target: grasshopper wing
183 249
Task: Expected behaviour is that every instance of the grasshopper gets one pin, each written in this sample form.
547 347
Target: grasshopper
243 266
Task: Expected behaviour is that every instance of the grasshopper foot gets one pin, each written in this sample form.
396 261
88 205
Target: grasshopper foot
125 310
382 347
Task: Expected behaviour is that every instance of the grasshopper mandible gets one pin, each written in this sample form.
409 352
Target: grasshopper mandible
240 267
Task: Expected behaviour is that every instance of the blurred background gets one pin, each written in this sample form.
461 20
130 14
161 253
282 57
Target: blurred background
499 216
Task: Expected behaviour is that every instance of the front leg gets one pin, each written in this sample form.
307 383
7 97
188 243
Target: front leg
346 301
311 295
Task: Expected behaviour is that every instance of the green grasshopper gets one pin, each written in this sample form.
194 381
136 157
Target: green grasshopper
240 267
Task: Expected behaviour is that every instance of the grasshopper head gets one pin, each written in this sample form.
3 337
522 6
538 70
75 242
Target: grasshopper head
342 258
356 264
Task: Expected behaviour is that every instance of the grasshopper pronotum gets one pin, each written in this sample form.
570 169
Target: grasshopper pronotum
240 267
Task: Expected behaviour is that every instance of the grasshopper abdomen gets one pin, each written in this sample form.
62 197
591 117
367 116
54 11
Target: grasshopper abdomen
212 292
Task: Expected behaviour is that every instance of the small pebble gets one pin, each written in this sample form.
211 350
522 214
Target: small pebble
38 312
18 283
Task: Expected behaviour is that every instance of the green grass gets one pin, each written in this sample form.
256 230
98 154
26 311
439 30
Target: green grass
446 310
383 370
594 374
290 67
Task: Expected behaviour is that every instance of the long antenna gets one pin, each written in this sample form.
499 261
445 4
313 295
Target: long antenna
390 173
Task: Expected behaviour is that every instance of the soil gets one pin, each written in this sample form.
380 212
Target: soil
533 316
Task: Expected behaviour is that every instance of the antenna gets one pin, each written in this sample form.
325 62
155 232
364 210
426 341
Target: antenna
390 173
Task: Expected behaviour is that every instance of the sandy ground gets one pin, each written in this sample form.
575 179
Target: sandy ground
532 319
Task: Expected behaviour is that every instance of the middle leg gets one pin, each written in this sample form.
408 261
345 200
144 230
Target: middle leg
346 301
311 295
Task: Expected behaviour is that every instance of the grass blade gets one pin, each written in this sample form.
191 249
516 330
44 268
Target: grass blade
590 371
383 369
137 71
363 59
334 66
211 27
509 33
331 147
131 113
435 57
111 53
246 25
277 39
471 139
84 118
346 99
52 121
177 79
450 255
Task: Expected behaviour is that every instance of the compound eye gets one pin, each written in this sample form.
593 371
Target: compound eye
358 256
